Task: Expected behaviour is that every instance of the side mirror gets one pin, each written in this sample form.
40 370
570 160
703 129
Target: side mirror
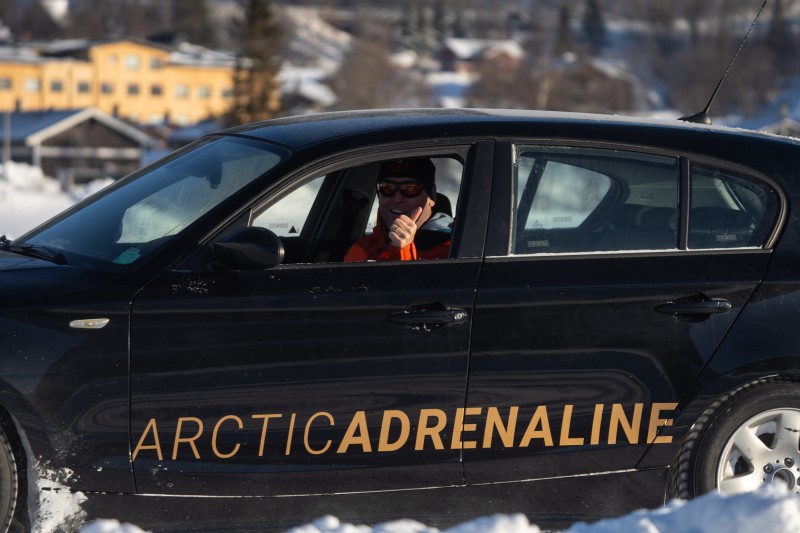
249 249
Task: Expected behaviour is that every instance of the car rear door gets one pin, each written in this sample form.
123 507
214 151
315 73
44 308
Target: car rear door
308 378
598 307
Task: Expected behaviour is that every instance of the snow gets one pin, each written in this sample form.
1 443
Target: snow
769 510
314 41
28 198
51 505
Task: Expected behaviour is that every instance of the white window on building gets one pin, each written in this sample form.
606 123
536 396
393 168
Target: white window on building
156 63
182 90
132 62
32 85
204 92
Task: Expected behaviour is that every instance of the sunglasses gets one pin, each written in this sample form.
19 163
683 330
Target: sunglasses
409 189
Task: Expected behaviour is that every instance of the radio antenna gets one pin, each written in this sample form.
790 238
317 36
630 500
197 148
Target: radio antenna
702 117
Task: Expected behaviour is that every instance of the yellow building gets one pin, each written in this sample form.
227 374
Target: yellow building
136 80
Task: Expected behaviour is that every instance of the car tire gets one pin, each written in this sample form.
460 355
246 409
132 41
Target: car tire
747 439
9 484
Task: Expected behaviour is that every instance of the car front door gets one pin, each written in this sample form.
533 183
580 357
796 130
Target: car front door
595 319
306 378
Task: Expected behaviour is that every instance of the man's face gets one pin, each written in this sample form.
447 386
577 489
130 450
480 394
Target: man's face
404 196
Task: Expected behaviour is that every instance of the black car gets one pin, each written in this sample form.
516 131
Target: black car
617 323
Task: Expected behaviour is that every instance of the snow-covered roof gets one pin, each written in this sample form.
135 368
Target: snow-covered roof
314 41
32 127
468 49
307 82
193 54
25 124
19 54
184 54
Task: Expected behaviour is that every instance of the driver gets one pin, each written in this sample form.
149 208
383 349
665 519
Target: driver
408 227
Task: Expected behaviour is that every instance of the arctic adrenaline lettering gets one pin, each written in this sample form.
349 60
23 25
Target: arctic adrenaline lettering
429 432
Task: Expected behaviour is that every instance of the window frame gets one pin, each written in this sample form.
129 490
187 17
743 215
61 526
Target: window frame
342 161
499 242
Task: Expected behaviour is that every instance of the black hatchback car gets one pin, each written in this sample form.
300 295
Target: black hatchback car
615 323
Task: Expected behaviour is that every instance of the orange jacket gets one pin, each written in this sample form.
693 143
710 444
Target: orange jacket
376 247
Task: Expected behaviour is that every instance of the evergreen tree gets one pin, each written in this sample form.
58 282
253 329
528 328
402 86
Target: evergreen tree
190 19
441 21
411 24
594 25
427 39
36 23
779 39
459 25
255 80
565 41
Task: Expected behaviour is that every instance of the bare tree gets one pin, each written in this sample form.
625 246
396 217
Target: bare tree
367 79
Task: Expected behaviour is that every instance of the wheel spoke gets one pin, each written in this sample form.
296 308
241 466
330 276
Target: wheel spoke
749 444
740 484
788 432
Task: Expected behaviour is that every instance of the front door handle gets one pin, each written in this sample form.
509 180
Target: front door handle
429 317
712 306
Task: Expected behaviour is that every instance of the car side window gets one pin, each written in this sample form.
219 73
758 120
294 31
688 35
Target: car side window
589 200
287 216
729 210
320 217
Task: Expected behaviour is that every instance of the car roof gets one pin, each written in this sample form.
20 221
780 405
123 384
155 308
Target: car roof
316 135
305 130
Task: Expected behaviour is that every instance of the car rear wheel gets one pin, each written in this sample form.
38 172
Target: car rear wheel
9 483
746 440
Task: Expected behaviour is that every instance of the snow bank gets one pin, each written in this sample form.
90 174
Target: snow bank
28 197
770 510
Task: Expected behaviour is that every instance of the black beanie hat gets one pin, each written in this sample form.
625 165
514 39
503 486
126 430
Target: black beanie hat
421 169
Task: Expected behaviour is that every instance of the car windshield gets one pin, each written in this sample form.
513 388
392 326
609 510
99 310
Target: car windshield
118 228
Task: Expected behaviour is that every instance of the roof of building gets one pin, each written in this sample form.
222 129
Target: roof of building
184 54
470 49
32 127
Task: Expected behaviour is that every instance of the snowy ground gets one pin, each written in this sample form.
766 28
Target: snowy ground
27 198
771 510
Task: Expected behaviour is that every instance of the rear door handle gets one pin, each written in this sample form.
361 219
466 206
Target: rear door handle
702 308
432 317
